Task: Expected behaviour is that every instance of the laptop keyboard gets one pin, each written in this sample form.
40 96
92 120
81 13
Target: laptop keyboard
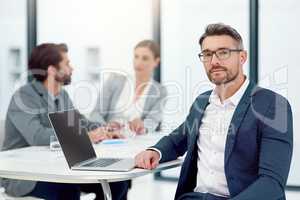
103 162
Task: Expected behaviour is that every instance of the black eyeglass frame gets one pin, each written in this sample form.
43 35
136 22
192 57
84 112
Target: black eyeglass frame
201 55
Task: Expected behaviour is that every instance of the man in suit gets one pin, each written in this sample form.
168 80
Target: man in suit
27 122
238 138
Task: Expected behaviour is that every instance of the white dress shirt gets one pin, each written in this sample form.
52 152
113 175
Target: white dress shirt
128 107
211 143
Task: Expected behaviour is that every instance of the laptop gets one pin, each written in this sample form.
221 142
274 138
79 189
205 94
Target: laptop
77 146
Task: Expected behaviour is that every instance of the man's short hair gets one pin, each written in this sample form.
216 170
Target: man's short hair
222 29
43 56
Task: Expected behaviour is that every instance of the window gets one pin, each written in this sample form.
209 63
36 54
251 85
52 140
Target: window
13 56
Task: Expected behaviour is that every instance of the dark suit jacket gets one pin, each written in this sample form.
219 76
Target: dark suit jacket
258 148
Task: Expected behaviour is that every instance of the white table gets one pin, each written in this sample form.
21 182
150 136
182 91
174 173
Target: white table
41 164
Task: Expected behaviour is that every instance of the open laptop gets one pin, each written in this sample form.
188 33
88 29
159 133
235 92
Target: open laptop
77 146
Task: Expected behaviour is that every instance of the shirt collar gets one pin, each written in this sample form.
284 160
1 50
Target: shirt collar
43 91
39 87
52 97
234 99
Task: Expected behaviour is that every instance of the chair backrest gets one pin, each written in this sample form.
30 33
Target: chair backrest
2 132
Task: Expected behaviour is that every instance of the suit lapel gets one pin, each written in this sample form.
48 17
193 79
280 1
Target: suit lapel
116 92
199 110
153 96
187 181
237 119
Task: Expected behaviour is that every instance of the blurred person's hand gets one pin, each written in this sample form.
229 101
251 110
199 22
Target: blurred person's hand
148 159
137 126
114 126
100 134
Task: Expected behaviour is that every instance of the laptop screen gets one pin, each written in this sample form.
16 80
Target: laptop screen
72 136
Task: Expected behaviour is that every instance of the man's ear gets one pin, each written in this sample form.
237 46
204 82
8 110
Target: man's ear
51 70
243 57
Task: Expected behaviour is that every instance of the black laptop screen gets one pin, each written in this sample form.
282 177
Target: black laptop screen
72 136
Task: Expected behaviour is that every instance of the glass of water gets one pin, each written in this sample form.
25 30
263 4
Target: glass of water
54 144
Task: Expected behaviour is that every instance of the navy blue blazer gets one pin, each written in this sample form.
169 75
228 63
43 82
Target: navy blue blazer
258 149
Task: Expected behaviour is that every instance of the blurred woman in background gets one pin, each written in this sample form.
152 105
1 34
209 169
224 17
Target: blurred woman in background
133 102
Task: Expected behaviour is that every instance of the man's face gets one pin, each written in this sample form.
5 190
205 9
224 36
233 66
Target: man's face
220 70
64 71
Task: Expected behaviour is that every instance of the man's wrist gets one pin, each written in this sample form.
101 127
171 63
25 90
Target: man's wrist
156 150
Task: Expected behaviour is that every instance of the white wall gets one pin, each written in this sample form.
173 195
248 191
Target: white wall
112 26
279 62
13 35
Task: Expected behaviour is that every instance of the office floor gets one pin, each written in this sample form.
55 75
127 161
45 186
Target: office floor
146 188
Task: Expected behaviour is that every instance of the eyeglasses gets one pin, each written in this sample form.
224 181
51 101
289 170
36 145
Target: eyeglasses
222 54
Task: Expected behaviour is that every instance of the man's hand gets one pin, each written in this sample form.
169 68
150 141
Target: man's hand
148 159
99 134
137 126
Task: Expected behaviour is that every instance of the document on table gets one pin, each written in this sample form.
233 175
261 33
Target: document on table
126 148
